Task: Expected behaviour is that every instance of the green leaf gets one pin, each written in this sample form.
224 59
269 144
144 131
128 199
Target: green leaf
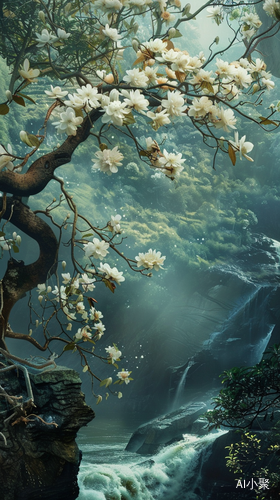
87 235
109 285
2 233
15 248
4 109
19 100
266 121
143 153
177 34
232 154
26 97
69 347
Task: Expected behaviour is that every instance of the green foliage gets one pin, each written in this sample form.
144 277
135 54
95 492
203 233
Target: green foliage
249 393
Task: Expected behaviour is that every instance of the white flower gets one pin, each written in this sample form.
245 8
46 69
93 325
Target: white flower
111 273
171 164
108 160
200 107
87 283
216 13
66 278
100 328
268 83
105 5
96 249
271 7
5 244
74 101
68 122
113 353
44 38
41 288
224 68
5 158
83 333
115 110
59 293
241 77
151 73
136 77
150 260
159 119
80 307
226 119
62 34
114 224
157 45
111 33
95 315
56 93
251 19
89 95
202 76
242 146
28 73
124 376
134 99
174 104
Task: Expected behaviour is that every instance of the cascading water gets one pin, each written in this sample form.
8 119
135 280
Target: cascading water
172 473
180 389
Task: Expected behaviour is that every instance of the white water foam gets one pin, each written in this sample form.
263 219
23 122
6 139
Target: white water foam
162 477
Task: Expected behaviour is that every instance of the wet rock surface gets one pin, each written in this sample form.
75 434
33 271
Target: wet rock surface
152 436
39 458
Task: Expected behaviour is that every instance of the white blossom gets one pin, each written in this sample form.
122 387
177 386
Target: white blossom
158 119
174 104
114 223
111 273
115 111
28 73
216 13
5 158
271 7
108 160
62 34
45 38
87 282
200 107
68 122
124 376
108 5
56 93
225 117
150 260
135 99
171 163
113 353
111 33
66 278
242 146
136 77
83 333
97 248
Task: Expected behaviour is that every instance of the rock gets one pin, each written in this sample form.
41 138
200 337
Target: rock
150 437
39 458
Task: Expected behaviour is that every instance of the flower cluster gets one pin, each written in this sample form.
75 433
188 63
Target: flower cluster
150 260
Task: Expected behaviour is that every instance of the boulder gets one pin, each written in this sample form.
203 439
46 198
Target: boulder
152 436
40 415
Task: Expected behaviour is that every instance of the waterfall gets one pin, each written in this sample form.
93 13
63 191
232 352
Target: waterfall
181 386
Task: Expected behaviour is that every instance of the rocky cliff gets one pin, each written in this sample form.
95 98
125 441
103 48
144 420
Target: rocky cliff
40 415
